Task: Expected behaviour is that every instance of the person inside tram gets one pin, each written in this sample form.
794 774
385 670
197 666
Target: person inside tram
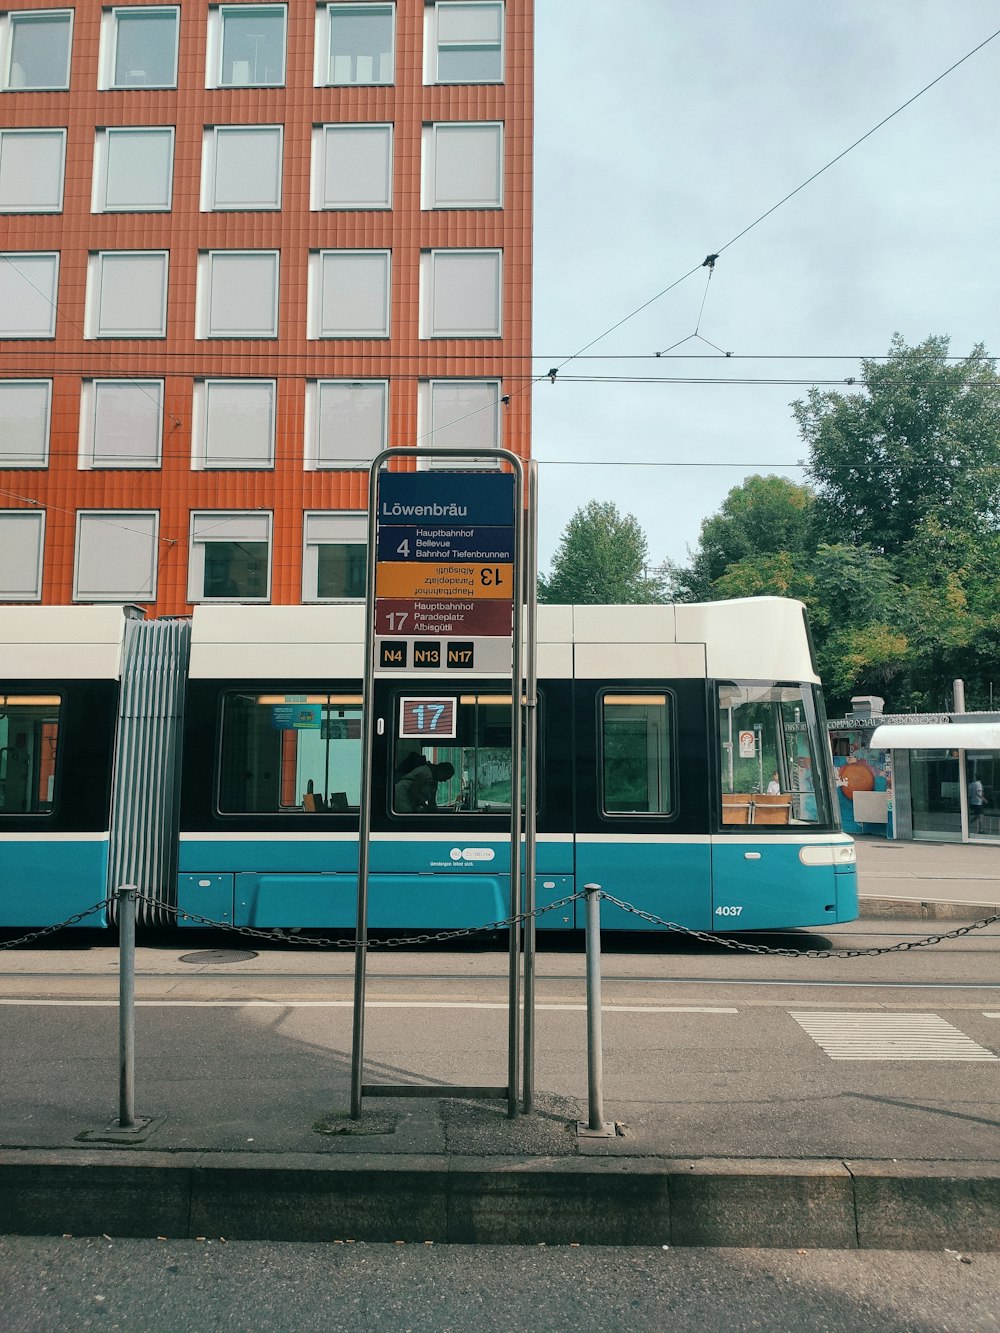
977 799
416 791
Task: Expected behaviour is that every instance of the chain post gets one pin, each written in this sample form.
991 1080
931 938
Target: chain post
126 895
596 1126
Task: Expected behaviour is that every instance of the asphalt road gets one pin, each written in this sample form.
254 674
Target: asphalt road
64 1285
706 1052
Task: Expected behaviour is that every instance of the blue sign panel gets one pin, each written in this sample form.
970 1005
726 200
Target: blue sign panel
472 544
445 499
295 717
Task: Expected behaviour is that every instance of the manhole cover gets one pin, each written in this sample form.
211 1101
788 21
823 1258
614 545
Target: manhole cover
219 956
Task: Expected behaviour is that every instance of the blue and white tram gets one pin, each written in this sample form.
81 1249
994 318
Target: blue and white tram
60 670
683 761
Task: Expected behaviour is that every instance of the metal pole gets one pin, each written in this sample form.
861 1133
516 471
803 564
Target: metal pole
596 1125
517 769
126 1005
530 790
364 813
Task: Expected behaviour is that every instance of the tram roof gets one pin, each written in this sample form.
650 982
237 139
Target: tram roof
760 638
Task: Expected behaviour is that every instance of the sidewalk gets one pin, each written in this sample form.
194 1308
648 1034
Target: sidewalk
931 880
243 1154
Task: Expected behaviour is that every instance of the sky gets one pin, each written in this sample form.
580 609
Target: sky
663 128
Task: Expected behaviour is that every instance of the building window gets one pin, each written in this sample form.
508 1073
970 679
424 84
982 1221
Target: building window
237 294
116 555
230 557
459 414
127 294
234 424
28 287
349 294
22 543
25 416
36 43
121 423
241 167
460 293
464 42
334 557
346 422
133 170
352 166
139 48
246 46
463 166
31 170
355 44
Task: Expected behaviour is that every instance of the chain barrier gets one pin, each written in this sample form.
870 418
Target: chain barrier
282 936
744 946
73 920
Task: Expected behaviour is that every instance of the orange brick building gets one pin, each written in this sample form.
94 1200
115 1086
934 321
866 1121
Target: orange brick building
245 246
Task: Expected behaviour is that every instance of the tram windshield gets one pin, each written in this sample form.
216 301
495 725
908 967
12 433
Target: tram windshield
287 752
29 738
775 765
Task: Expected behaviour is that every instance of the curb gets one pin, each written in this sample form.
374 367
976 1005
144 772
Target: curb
772 1203
921 909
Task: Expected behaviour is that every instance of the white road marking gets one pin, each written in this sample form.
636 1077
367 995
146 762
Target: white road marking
856 1036
370 1004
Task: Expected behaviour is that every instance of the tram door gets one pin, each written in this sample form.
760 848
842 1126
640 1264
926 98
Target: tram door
641 830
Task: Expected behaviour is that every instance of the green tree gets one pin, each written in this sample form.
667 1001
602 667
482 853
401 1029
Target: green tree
765 524
603 558
921 439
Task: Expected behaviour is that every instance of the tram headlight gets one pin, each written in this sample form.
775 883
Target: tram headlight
840 854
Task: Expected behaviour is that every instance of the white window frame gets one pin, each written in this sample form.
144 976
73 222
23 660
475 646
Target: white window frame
433 264
329 458
109 44
324 66
102 162
220 134
317 317
433 135
207 279
41 458
90 455
329 528
324 135
27 519
215 46
100 266
131 523
201 459
432 47
227 525
9 260
7 138
430 432
8 22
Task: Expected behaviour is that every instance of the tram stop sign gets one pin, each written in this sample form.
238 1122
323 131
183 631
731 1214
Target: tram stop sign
444 571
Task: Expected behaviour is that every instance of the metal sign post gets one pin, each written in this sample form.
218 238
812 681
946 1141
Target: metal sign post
446 594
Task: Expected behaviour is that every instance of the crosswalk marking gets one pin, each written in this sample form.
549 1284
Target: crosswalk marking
856 1036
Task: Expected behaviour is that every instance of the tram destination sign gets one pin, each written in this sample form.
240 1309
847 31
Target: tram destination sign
444 571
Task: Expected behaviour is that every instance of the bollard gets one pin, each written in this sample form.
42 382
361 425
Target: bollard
597 1126
126 1006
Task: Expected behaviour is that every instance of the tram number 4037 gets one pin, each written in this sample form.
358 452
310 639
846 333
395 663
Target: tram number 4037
728 911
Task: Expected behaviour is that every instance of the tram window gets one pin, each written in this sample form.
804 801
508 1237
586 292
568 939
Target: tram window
290 753
775 766
29 743
479 753
636 754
